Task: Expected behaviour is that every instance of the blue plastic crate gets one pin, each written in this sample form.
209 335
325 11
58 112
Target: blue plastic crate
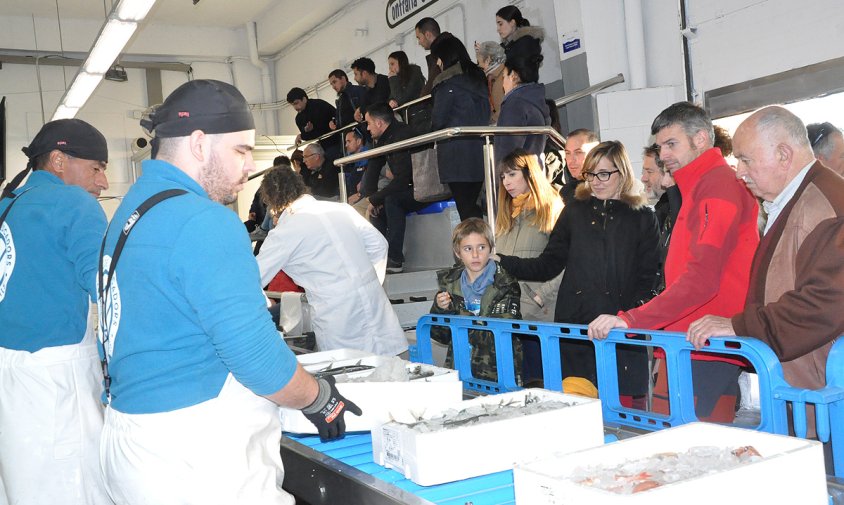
775 394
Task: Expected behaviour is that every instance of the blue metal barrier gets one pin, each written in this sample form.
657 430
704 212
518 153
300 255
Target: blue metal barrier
775 394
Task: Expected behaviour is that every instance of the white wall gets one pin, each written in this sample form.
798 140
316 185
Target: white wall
740 40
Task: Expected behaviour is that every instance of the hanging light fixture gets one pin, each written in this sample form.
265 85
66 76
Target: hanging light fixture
119 27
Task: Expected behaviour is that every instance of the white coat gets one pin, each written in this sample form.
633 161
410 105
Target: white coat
340 259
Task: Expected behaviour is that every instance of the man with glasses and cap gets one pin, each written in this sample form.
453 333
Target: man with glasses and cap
828 145
51 415
194 367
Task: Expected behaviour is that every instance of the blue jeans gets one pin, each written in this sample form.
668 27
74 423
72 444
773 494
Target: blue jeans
391 221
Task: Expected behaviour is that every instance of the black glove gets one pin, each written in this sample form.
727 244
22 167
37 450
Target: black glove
326 412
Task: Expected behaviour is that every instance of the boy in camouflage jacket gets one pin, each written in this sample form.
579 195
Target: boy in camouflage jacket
479 287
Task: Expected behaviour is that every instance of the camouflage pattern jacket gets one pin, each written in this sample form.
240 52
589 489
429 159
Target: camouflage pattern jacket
501 299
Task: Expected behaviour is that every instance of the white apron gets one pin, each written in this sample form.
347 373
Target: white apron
223 451
50 423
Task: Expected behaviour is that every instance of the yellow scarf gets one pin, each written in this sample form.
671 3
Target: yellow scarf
523 202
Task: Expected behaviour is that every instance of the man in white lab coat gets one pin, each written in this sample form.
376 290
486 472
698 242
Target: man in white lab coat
339 258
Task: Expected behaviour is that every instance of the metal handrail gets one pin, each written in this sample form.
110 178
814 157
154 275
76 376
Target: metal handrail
352 125
456 131
460 131
577 95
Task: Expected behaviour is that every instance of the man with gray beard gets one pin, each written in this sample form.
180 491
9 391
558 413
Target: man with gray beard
189 352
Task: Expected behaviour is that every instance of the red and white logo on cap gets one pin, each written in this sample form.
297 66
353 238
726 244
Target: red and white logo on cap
61 143
184 114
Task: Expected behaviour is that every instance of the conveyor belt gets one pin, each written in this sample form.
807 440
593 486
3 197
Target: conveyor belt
344 472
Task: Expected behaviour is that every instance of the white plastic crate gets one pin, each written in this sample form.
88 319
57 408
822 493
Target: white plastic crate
377 398
791 471
318 360
459 453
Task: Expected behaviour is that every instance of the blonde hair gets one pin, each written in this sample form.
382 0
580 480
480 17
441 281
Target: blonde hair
545 198
468 227
615 152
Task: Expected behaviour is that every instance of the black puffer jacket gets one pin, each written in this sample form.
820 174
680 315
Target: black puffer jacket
460 100
609 251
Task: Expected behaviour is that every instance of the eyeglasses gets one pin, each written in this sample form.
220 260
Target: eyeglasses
823 131
601 176
308 156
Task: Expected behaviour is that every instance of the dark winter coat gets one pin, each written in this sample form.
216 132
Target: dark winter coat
403 93
319 113
400 166
608 249
378 94
524 41
522 106
347 101
460 100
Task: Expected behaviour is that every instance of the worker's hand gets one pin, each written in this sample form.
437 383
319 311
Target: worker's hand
327 411
358 115
372 210
298 140
309 126
443 300
709 326
601 326
332 125
353 199
393 104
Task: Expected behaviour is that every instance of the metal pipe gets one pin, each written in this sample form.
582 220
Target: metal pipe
20 57
635 30
352 125
266 82
577 95
489 181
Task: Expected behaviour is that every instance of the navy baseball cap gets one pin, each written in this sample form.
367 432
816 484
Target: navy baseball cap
203 104
72 136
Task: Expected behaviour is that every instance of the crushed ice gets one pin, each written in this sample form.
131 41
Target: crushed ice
488 412
637 475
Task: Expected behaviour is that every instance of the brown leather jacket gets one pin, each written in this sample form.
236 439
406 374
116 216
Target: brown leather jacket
796 291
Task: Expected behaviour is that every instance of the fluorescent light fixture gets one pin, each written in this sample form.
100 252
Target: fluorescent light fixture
81 89
119 27
133 11
111 41
65 112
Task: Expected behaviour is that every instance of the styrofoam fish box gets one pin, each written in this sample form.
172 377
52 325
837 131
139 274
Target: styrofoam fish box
377 398
324 358
468 451
791 471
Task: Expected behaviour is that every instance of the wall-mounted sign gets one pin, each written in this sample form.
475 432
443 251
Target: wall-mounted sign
571 44
399 11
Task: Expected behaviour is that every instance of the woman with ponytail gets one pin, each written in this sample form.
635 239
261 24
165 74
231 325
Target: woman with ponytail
517 35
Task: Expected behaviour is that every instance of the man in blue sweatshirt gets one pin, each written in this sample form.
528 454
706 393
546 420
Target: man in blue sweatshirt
50 378
194 367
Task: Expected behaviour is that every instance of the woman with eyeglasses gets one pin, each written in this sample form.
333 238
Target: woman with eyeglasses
606 240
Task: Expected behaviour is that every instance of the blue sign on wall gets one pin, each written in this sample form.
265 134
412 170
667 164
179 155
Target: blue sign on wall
571 45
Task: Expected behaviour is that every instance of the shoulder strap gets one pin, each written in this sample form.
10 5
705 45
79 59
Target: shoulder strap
14 199
103 287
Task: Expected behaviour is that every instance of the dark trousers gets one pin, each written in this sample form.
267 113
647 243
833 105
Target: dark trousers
465 196
391 221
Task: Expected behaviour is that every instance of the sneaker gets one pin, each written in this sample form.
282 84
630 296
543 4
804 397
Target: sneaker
258 234
394 267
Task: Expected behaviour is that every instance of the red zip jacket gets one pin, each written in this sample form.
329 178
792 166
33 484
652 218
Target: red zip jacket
707 270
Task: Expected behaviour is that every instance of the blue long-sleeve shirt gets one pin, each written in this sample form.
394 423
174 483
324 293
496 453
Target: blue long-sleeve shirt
189 302
50 243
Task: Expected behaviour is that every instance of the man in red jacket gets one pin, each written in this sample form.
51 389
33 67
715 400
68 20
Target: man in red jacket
707 269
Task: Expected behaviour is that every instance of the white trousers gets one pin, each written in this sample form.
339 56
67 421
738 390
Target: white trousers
223 451
50 423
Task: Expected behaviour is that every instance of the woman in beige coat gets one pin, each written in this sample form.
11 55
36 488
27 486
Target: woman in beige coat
490 57
528 208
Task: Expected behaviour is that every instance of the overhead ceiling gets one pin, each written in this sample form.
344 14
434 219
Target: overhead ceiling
295 17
